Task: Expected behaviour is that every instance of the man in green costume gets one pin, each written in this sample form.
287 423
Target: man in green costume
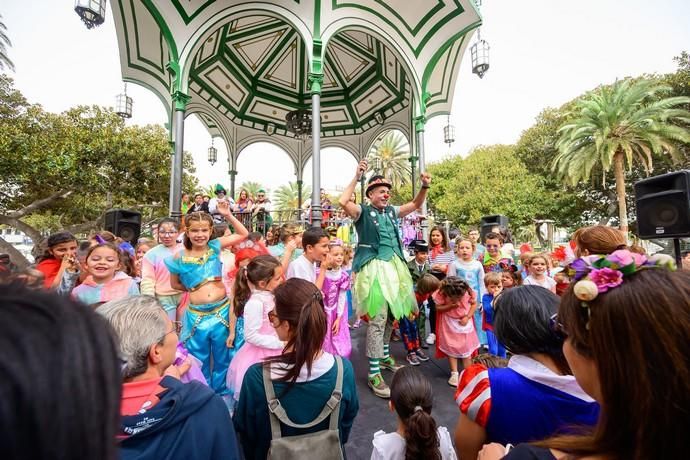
383 286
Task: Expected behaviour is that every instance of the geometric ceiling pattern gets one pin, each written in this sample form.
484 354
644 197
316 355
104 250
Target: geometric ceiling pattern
254 70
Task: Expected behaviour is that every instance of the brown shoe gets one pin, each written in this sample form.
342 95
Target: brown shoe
379 387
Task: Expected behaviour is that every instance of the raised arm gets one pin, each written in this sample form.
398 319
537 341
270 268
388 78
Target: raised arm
241 231
350 208
418 201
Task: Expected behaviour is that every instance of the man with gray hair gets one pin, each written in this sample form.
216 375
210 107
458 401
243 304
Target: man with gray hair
161 416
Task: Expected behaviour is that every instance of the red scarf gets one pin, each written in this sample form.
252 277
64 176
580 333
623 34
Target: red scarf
49 268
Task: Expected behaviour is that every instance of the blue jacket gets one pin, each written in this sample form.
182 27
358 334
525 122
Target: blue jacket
190 422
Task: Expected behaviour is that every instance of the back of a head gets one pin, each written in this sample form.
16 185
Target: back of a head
413 397
60 382
638 335
138 322
599 239
522 322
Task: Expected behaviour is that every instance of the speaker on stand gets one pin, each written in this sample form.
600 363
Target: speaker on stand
663 207
486 223
124 223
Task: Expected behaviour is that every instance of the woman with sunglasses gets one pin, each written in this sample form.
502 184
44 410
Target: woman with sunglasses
161 417
532 398
627 322
303 377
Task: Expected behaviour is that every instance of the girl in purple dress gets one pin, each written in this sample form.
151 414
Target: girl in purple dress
335 286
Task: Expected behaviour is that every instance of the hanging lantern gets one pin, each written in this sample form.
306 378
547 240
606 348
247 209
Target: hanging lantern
123 104
212 154
92 12
298 122
449 133
480 56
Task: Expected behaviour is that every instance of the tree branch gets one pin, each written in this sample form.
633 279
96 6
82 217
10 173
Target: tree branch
85 226
38 204
15 256
28 230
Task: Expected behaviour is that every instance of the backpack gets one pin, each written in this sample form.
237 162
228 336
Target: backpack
324 444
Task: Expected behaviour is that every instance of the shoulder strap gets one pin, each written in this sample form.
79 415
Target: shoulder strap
270 397
278 411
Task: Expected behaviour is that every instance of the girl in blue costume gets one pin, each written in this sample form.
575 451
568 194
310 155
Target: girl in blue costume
383 285
208 325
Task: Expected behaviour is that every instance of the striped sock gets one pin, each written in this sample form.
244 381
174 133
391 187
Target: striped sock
373 367
386 351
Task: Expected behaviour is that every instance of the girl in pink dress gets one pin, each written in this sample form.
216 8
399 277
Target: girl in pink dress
254 298
457 337
335 286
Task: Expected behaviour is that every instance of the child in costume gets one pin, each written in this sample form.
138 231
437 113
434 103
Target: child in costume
106 281
418 267
335 286
254 298
493 260
155 276
471 271
494 285
383 285
440 257
511 277
457 338
425 286
207 324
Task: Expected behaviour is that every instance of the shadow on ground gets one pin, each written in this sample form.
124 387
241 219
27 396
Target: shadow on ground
373 412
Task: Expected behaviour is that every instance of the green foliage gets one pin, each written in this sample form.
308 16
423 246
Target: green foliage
286 196
491 180
251 188
86 152
5 61
390 157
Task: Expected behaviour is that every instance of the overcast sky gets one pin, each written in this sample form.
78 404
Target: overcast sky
543 53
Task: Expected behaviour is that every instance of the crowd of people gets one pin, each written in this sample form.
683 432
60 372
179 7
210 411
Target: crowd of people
218 342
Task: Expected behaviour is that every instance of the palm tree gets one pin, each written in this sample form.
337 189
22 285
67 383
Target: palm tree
285 196
251 187
389 157
4 43
623 123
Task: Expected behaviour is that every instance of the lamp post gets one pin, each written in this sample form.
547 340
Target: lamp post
123 104
92 12
212 154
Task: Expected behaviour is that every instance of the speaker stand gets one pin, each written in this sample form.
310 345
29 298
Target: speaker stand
676 251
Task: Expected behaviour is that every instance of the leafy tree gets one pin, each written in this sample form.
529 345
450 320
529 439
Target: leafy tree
71 167
285 196
389 156
625 122
5 61
491 180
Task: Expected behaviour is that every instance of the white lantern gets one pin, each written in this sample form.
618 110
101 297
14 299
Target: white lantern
212 154
123 104
92 12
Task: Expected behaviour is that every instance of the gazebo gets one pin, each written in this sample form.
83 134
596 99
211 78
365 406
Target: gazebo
343 72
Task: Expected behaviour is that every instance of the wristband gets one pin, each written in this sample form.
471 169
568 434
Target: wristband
426 186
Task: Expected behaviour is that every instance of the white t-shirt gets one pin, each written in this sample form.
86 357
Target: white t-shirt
302 268
391 446
548 283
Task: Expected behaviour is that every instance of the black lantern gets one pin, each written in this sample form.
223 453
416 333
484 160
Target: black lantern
480 56
449 133
123 104
92 12
298 122
212 154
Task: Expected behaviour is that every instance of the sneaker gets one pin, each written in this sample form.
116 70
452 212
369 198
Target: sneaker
425 345
453 380
412 359
390 364
431 339
421 356
379 387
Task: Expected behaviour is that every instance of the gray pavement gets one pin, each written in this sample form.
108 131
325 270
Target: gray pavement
373 411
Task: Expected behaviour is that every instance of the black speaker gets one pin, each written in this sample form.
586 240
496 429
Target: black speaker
124 223
663 206
488 222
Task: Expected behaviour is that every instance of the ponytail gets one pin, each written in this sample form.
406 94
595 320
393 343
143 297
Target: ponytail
260 268
412 397
242 291
300 303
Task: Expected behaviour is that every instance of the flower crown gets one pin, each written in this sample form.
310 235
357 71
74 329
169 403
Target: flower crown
597 274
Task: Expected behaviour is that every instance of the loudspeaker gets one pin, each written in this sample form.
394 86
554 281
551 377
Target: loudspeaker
488 222
124 223
663 206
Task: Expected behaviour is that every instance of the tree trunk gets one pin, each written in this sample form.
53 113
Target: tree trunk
16 257
619 174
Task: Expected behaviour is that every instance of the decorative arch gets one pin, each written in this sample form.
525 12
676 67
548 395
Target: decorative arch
385 129
275 140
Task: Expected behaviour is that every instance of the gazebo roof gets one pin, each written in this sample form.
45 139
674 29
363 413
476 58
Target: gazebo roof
246 64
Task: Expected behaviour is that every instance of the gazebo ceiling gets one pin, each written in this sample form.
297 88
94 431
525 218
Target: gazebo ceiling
254 70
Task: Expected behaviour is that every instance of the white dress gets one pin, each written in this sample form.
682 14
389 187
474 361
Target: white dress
391 446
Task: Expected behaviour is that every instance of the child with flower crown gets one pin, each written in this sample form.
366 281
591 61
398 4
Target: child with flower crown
335 286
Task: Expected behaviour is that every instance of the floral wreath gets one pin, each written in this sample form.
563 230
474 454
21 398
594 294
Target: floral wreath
597 274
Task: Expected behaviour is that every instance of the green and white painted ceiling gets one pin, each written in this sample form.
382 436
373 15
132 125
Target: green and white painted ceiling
246 64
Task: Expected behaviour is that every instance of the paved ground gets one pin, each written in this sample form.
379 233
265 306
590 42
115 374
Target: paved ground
373 412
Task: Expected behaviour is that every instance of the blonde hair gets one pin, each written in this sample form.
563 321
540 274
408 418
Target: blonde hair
460 239
493 279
